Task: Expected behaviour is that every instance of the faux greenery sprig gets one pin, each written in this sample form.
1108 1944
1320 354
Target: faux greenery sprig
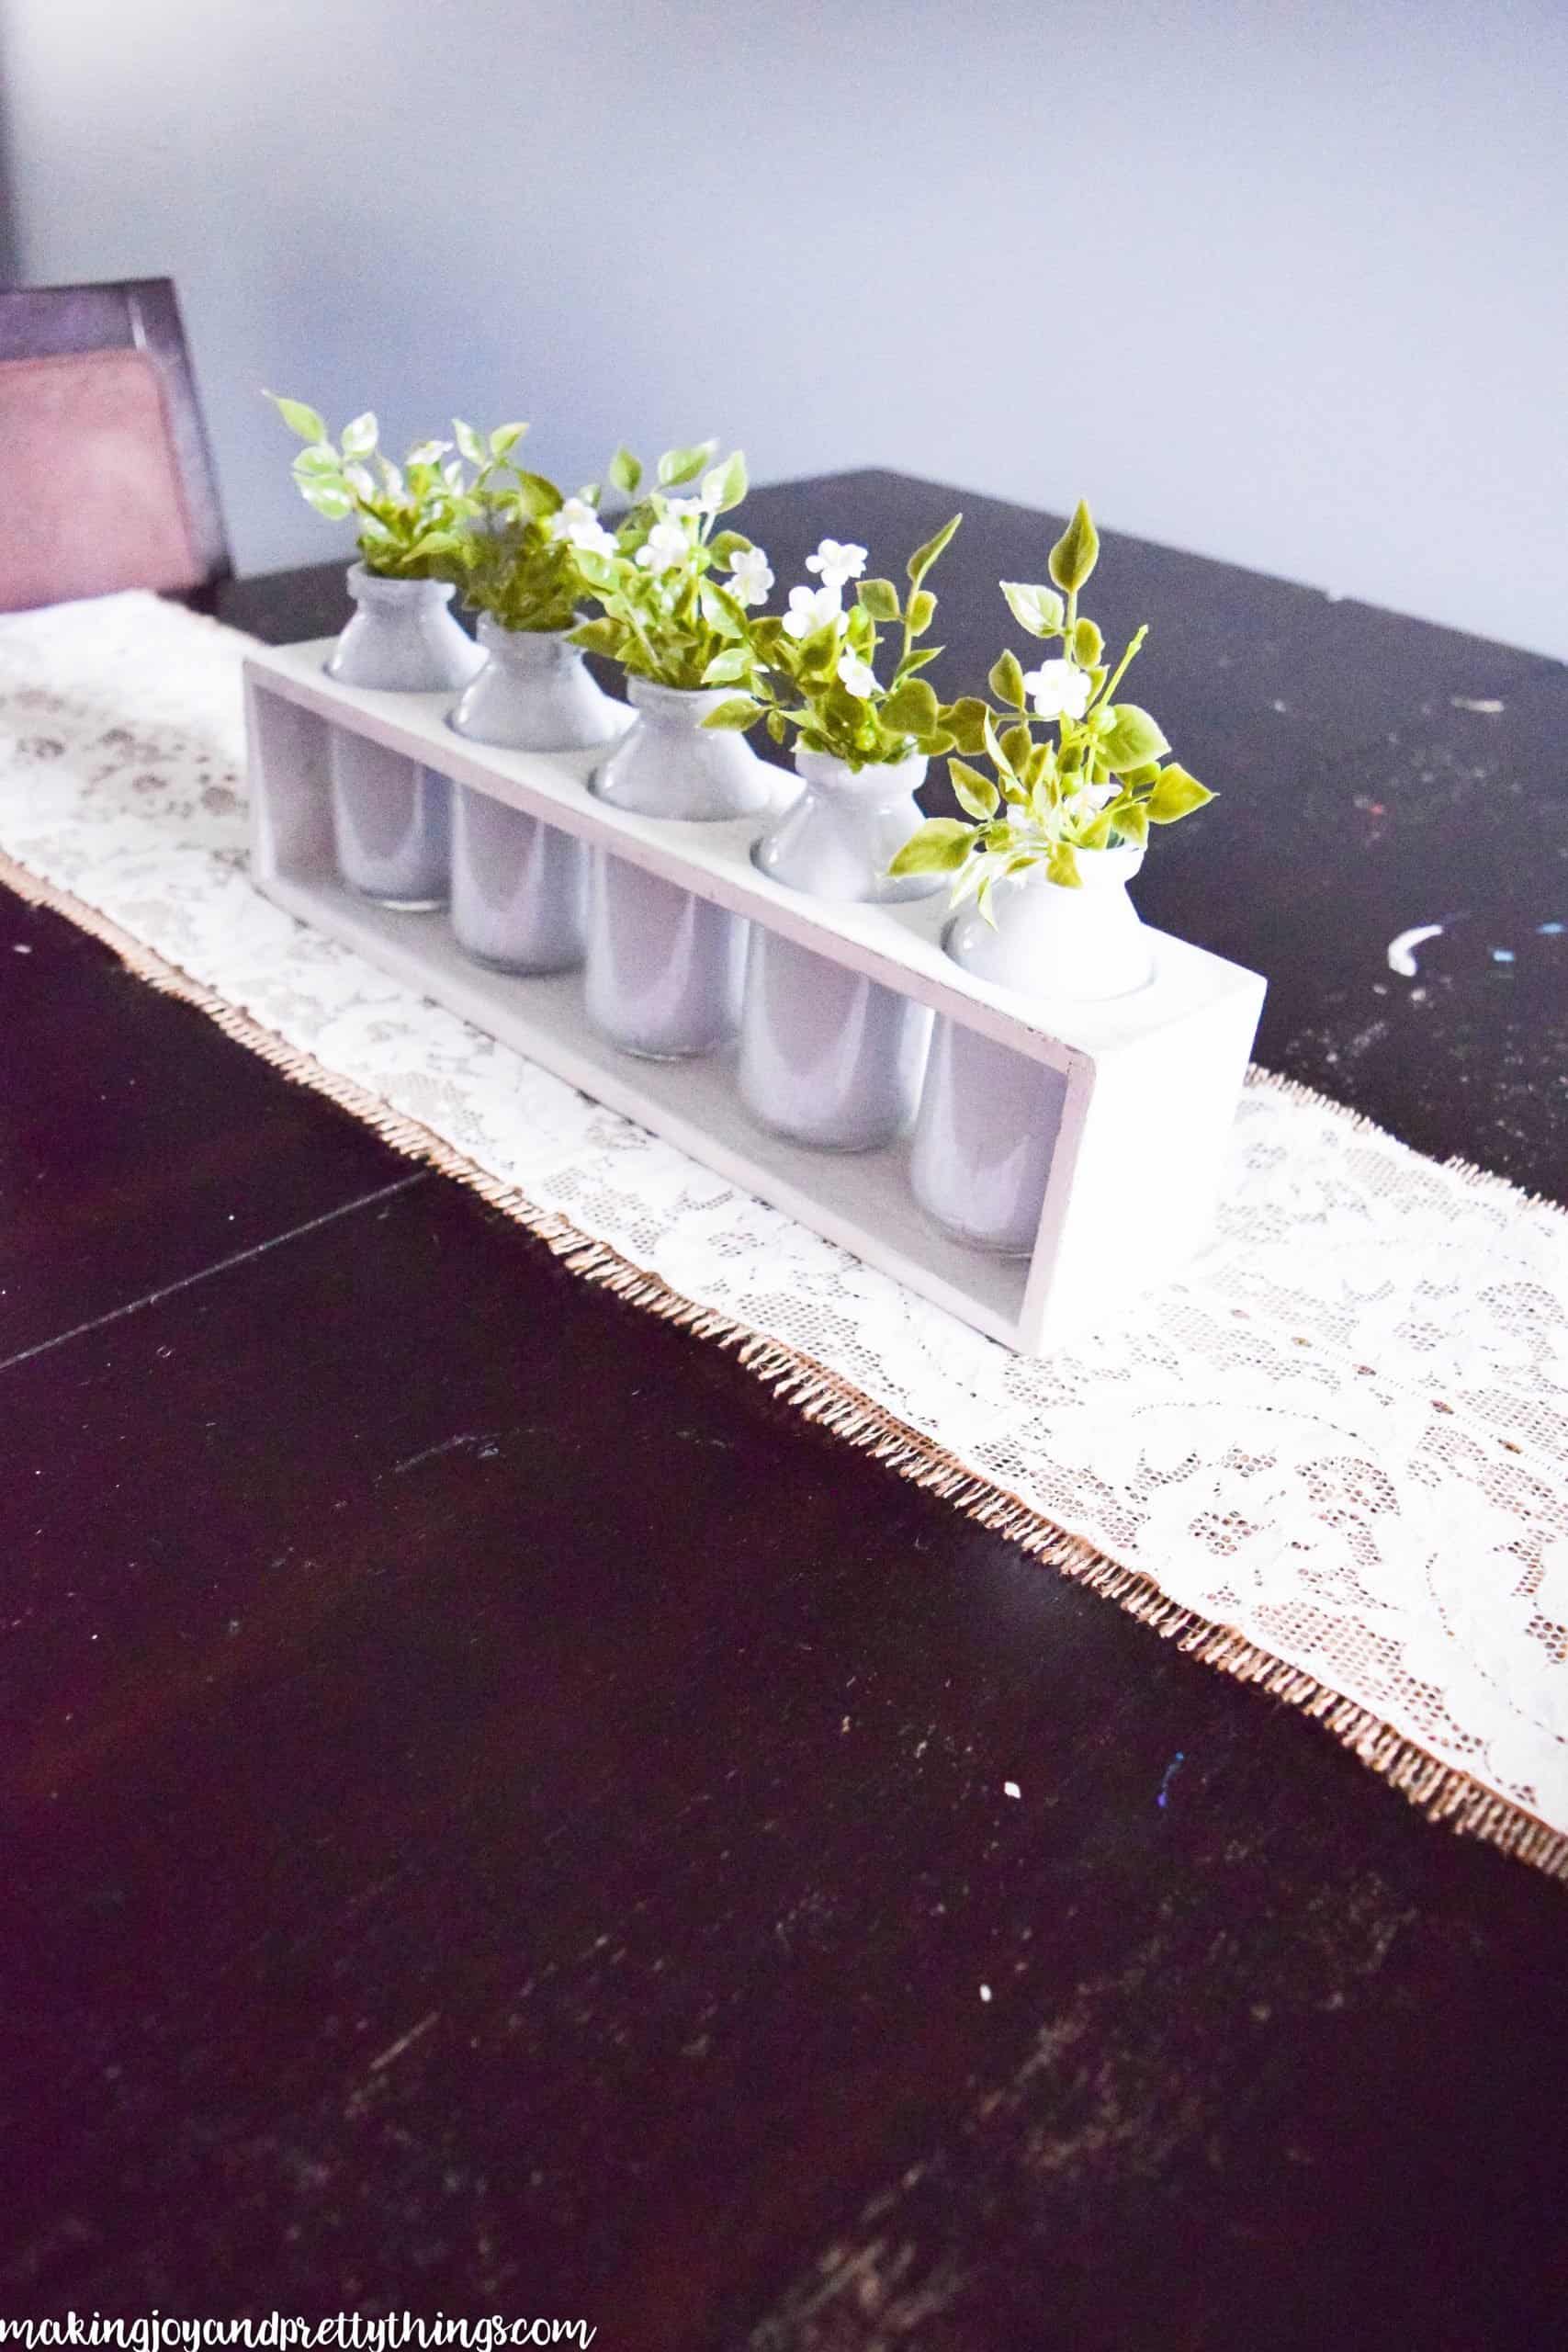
1099 783
522 559
811 672
665 611
410 517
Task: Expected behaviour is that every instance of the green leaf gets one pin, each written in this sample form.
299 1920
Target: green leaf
469 442
913 661
318 464
720 609
966 718
1175 794
435 543
991 744
922 612
333 504
1063 868
1018 743
728 666
776 727
912 705
626 471
920 562
739 712
1077 552
879 598
677 466
1088 645
299 419
727 485
974 792
606 635
600 571
1039 610
359 437
1006 680
538 495
504 439
1131 820
939 847
1131 737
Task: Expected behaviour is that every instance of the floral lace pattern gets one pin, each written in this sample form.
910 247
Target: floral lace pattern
1344 1434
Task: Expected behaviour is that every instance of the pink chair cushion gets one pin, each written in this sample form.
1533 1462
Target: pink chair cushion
90 497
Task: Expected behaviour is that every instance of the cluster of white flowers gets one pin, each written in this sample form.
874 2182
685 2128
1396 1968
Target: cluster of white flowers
575 521
1059 689
667 546
836 563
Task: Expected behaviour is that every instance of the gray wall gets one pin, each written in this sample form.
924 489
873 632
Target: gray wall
1282 283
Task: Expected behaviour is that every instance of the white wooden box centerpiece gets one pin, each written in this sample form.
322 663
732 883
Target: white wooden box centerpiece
1151 1078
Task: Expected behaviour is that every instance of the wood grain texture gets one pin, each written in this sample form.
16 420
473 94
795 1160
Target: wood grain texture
137 1148
498 1813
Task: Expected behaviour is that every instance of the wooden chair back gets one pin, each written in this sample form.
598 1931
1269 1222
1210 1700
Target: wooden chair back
106 475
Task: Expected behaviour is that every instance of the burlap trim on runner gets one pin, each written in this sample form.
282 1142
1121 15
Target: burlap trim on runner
1441 1792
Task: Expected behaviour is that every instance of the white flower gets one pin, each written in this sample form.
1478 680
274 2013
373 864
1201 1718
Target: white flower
857 675
428 452
592 536
570 517
575 520
811 609
1061 690
682 508
837 563
666 549
751 575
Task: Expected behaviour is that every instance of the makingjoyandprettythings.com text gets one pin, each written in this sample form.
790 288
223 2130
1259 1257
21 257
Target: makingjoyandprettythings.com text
283 2332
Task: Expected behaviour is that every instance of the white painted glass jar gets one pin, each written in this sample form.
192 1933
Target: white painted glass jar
520 887
827 1056
391 815
665 968
989 1116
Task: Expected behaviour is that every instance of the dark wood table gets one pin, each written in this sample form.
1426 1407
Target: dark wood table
500 1814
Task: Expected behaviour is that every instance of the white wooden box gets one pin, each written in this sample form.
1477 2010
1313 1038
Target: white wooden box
1151 1078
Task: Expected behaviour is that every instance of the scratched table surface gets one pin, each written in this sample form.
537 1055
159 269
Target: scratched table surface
500 1814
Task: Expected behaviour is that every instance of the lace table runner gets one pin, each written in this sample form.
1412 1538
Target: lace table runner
1333 1459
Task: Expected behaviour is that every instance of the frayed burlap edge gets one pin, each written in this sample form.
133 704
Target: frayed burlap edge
1441 1792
